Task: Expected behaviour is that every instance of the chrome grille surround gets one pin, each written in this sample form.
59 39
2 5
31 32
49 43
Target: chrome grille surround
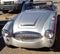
26 35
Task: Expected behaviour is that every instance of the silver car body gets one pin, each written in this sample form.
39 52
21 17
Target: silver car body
28 28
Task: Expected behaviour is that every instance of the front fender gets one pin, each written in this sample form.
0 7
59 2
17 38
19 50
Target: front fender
8 26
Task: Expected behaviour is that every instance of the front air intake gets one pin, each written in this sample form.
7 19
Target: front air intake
25 35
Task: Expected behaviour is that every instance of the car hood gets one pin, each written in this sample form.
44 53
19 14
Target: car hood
31 19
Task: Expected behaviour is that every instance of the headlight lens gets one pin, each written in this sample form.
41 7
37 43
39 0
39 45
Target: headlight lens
49 34
6 33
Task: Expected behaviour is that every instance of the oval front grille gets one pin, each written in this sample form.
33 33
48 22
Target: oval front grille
27 36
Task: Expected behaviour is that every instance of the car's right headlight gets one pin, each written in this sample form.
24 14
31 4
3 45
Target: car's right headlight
6 33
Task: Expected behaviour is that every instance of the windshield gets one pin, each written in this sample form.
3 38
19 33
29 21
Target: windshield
38 5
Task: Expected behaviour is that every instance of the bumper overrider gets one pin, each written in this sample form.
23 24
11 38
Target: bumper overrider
10 7
28 40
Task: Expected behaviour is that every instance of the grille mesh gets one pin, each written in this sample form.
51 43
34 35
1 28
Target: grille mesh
27 36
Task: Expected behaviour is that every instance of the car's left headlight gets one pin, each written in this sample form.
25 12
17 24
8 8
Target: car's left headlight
49 34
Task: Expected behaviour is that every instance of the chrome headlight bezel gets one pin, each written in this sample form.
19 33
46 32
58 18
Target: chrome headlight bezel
49 34
5 32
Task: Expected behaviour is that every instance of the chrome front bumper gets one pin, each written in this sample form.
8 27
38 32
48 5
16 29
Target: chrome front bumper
38 43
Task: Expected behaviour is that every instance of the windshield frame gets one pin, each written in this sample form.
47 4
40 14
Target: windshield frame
29 5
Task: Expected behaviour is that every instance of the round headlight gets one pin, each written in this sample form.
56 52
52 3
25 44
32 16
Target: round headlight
49 34
5 32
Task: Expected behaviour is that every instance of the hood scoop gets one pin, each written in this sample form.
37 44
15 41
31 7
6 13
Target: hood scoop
30 23
29 19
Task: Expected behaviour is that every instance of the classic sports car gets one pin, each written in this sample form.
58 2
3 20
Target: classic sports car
34 27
